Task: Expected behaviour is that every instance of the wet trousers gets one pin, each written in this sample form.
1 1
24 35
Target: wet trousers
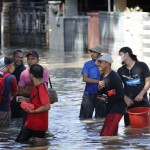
110 127
5 118
89 104
26 133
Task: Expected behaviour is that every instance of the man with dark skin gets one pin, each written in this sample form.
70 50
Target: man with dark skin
16 111
18 63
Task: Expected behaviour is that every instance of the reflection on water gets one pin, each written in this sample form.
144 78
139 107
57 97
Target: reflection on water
66 131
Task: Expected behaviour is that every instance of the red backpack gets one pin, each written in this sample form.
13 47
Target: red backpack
3 76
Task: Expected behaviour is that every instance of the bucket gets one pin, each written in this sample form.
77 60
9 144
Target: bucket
139 117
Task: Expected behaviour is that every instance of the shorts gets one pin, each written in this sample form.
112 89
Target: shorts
5 118
26 133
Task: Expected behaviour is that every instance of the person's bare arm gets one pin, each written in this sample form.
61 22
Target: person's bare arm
22 98
41 109
89 80
128 101
86 79
24 91
139 97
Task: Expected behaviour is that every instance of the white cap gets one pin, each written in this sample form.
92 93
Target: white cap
105 57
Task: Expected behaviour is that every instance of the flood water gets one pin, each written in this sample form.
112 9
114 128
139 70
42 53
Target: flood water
66 131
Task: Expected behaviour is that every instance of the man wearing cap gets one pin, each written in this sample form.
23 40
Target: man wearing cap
25 84
91 76
135 76
112 94
18 63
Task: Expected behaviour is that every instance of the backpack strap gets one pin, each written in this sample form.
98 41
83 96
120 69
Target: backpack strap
3 75
34 96
50 83
44 84
6 75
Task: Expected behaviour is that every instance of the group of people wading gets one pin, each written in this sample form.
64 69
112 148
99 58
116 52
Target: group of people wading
112 93
29 87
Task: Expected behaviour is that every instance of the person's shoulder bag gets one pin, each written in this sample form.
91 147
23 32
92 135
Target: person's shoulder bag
52 93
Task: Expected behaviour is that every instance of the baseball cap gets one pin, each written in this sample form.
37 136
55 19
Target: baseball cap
97 48
34 53
105 57
129 51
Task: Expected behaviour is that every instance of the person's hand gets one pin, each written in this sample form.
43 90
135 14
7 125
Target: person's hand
20 98
101 84
128 101
11 68
139 97
102 97
28 110
28 88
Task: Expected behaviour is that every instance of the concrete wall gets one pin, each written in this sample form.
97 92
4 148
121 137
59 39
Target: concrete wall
5 24
146 37
56 33
93 29
124 29
68 33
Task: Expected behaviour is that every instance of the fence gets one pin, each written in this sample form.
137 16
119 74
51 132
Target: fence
28 29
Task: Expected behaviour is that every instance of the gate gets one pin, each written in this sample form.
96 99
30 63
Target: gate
75 33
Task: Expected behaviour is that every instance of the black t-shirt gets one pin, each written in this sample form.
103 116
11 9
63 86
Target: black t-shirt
17 71
115 102
134 79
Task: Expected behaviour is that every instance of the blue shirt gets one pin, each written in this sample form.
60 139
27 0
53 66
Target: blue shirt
91 69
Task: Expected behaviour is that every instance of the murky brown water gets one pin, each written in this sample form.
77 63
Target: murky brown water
66 131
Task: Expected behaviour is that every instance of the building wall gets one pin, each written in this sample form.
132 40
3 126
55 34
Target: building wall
56 33
125 29
93 29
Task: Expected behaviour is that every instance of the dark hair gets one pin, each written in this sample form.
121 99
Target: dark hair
129 51
36 70
7 60
17 51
